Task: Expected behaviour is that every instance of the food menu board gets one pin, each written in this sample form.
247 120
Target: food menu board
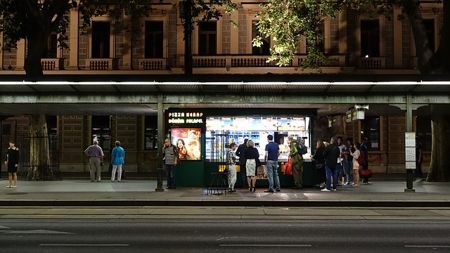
188 142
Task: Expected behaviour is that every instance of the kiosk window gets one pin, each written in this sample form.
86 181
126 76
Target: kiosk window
150 133
423 132
101 130
371 130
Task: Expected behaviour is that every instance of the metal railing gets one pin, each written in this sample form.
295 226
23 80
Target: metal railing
152 64
52 63
372 62
102 64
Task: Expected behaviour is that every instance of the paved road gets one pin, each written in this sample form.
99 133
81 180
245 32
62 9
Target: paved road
206 235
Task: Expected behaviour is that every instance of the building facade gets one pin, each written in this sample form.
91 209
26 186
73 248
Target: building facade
354 43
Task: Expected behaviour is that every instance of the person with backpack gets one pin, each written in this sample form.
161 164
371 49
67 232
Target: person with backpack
170 159
297 162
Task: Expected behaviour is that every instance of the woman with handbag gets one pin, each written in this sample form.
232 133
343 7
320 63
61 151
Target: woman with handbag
356 165
251 163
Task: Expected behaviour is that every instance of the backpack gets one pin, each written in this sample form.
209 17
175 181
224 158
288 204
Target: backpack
302 149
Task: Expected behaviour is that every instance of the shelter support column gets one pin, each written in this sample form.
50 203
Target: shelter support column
409 128
160 124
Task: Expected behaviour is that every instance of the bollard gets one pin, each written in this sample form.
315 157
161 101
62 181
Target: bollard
409 181
159 180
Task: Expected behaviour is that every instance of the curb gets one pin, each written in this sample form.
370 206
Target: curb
175 203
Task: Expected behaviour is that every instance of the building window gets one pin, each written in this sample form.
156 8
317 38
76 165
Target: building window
207 38
150 133
371 130
101 131
100 39
52 125
154 39
370 38
423 132
265 47
429 28
52 46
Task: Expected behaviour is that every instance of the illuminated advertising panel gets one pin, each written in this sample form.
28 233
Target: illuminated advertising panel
188 142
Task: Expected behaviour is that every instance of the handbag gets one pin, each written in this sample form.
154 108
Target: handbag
319 166
288 167
365 172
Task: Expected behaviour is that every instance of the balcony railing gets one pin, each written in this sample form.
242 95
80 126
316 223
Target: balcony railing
102 64
52 64
372 62
209 61
251 61
152 64
256 61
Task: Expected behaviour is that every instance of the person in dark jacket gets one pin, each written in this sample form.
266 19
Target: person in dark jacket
331 155
365 157
12 163
240 152
319 160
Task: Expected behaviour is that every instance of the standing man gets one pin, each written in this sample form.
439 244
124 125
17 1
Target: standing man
297 162
331 155
240 152
365 158
170 158
95 154
271 158
117 161
12 164
339 164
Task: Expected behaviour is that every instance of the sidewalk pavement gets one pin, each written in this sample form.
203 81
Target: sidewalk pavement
142 193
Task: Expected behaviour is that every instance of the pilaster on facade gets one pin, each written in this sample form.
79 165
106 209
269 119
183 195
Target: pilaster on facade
398 36
20 58
74 39
1 50
327 35
342 17
234 32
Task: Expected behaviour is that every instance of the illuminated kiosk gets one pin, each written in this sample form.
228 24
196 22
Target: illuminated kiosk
202 137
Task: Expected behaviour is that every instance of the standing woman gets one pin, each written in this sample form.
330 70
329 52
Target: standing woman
320 162
117 160
251 163
231 162
356 164
12 162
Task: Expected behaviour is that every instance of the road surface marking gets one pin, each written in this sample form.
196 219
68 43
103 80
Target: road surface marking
84 245
35 232
427 246
266 245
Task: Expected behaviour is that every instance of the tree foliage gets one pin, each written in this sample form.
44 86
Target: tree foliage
287 21
35 20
